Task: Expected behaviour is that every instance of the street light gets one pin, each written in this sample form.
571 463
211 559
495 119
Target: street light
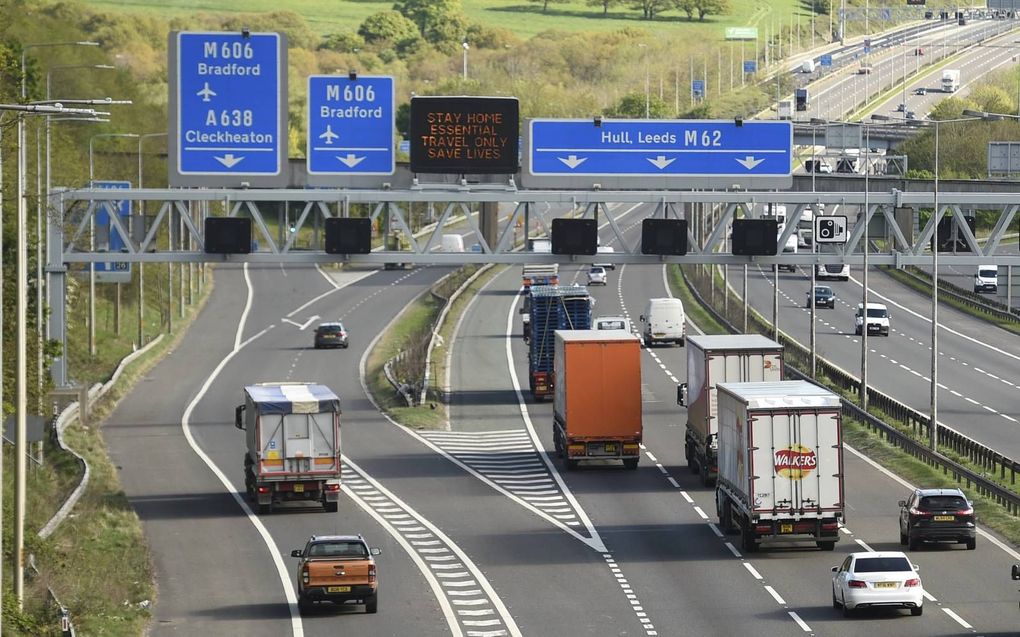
141 265
814 246
644 56
465 46
21 380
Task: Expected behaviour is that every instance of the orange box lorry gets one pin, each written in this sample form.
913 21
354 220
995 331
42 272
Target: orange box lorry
597 396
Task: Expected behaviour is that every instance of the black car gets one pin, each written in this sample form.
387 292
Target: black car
937 515
331 335
824 297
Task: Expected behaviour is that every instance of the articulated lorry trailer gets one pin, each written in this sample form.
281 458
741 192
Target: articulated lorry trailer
714 359
780 463
553 307
292 439
597 399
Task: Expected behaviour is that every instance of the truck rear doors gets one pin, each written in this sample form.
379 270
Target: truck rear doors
298 443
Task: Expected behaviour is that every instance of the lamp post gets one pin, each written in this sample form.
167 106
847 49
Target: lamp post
21 388
465 46
644 56
814 250
92 246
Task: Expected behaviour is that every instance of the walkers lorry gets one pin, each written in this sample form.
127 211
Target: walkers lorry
950 80
540 274
714 359
553 307
597 397
780 463
292 440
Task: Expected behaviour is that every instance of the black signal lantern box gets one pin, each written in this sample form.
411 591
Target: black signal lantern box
666 237
227 235
574 236
348 235
755 237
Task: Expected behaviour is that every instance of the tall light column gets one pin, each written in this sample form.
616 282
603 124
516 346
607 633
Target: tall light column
465 46
141 265
20 392
933 430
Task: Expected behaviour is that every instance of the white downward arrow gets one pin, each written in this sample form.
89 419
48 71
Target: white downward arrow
299 325
350 160
572 161
661 162
229 160
749 162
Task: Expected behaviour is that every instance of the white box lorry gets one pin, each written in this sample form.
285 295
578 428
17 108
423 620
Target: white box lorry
714 359
785 109
780 463
292 439
950 80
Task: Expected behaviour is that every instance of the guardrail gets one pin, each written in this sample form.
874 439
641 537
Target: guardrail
966 297
918 425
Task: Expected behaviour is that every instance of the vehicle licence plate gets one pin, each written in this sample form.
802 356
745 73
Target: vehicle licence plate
338 589
610 448
885 584
786 528
945 518
299 488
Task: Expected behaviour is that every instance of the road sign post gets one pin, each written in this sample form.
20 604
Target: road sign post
113 271
228 109
350 127
659 153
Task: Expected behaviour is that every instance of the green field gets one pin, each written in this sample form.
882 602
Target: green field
520 16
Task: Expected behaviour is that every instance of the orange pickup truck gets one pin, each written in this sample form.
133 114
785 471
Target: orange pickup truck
337 568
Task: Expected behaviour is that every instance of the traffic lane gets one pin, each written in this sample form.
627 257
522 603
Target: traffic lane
292 286
972 401
479 392
958 579
180 514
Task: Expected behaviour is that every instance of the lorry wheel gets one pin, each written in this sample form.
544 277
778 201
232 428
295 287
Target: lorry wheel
372 604
572 464
631 463
703 474
265 509
747 537
903 538
558 444
331 507
826 546
725 519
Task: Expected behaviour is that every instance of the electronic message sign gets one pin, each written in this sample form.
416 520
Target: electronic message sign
465 135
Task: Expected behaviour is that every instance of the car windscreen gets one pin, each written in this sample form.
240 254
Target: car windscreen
330 329
833 268
823 291
611 325
877 312
338 549
882 565
944 503
988 274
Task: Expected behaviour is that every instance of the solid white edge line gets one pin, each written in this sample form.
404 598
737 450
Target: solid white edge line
776 596
328 278
336 286
959 620
362 363
800 622
244 312
596 540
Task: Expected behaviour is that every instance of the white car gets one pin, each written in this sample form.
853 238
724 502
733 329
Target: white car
878 319
986 279
613 323
869 579
597 275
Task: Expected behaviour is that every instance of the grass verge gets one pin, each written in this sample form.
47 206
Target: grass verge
97 562
871 443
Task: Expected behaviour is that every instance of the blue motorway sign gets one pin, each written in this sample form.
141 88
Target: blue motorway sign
825 60
119 271
231 102
750 66
405 146
666 148
698 88
350 125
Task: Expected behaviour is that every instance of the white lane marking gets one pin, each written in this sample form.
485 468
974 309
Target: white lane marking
336 286
732 549
959 620
685 496
752 570
244 312
638 609
942 327
863 544
673 482
776 596
698 510
715 529
800 622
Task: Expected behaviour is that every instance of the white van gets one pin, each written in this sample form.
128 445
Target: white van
878 319
453 243
664 321
789 248
986 279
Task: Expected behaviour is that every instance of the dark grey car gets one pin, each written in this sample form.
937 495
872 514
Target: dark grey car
331 335
937 515
824 297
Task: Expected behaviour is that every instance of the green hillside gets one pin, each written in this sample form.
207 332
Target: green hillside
522 17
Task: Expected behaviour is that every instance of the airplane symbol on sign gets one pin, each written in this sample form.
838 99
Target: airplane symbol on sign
329 135
206 92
